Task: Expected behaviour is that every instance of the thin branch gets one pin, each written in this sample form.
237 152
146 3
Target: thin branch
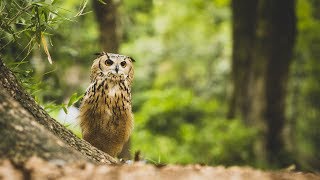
85 2
18 14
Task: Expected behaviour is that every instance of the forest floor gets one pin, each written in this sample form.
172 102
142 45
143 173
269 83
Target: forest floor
36 168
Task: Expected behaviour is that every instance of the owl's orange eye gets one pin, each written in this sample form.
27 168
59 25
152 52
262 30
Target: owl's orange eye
123 64
109 62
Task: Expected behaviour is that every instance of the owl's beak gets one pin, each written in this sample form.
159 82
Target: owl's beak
117 68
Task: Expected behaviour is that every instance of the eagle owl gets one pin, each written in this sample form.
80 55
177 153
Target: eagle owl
106 118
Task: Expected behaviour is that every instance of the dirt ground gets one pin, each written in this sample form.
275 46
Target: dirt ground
36 168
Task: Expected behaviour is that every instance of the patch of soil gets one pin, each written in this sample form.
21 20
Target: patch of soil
36 168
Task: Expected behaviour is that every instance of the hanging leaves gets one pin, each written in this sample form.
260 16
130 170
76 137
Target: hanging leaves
45 47
28 22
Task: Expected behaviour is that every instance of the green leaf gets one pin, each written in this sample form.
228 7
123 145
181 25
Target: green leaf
101 1
65 109
74 98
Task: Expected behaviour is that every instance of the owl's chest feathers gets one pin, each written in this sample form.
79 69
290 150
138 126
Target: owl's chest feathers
108 103
109 95
106 110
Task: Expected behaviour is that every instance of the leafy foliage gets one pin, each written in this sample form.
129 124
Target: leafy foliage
28 18
182 128
305 86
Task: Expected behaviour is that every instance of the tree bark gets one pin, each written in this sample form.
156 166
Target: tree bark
12 87
272 54
243 34
22 137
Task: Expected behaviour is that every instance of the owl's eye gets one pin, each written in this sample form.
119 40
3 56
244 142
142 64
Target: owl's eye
123 64
109 62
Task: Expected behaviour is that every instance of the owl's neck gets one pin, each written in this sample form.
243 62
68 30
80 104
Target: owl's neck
106 84
113 94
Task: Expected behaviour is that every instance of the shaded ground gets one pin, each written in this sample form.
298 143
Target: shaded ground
36 168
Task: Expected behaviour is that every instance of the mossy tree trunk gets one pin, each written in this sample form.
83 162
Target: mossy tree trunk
272 55
26 129
243 33
261 91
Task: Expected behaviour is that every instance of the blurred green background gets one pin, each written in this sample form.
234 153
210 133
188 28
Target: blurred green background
183 81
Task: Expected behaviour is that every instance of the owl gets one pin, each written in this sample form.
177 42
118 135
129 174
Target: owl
106 118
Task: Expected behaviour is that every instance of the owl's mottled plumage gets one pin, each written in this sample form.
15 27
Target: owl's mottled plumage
106 117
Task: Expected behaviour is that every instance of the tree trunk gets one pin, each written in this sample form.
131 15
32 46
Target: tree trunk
106 15
18 119
22 137
272 54
263 39
243 28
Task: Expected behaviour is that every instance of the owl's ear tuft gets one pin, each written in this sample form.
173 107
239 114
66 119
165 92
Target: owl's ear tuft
131 59
99 54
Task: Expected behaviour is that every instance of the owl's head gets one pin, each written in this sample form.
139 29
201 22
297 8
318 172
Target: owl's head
111 66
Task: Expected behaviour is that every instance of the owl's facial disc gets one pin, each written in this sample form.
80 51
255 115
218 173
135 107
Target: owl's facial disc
114 66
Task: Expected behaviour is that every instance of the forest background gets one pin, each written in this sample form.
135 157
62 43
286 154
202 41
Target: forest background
186 90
